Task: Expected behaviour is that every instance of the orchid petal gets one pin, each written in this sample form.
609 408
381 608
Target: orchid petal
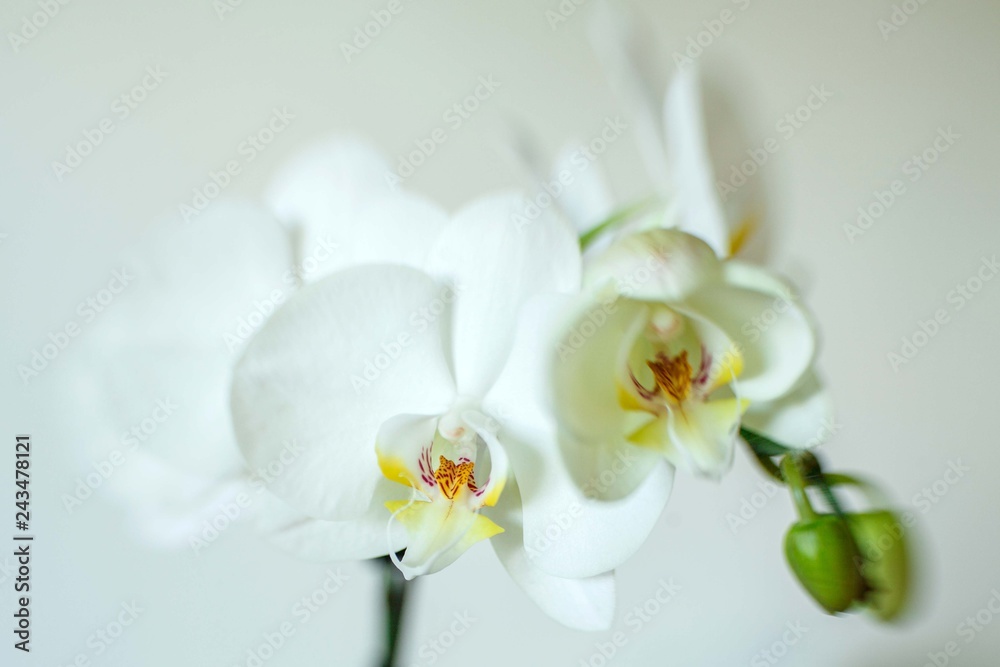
339 359
776 337
562 519
367 536
584 604
661 265
323 186
623 48
586 198
495 264
700 210
699 437
438 532
804 417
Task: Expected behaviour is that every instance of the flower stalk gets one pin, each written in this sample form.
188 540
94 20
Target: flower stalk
396 588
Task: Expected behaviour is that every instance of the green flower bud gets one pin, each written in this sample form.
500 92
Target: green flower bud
884 561
824 558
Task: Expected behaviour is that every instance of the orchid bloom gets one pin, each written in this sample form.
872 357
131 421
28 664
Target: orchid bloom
674 344
399 376
676 360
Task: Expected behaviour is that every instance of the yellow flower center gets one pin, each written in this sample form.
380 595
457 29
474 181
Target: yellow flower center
672 374
451 477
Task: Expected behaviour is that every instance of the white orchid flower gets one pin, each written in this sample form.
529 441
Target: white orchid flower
395 380
671 134
673 359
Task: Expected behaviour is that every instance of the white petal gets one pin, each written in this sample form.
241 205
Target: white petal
584 604
775 336
694 179
662 265
367 536
586 365
574 185
486 427
164 347
328 369
399 229
564 520
323 186
702 439
743 274
335 195
624 50
496 264
585 198
804 417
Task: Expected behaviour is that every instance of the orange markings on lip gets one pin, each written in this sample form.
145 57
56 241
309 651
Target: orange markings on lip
451 477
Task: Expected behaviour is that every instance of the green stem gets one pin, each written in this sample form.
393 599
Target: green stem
793 477
761 444
764 448
396 587
768 465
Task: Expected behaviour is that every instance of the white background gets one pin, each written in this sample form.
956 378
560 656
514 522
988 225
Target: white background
891 94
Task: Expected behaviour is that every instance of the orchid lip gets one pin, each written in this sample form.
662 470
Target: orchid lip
443 459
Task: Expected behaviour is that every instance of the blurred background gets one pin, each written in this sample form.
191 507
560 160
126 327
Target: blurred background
904 130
